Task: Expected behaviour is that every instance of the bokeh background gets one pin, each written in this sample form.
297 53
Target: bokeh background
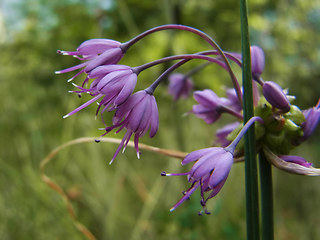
129 199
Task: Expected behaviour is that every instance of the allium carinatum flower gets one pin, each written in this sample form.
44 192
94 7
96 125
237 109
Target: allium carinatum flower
115 83
211 106
209 172
138 114
179 86
95 52
274 94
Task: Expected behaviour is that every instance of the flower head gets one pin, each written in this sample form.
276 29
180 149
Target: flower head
209 172
274 94
94 53
113 83
179 86
137 115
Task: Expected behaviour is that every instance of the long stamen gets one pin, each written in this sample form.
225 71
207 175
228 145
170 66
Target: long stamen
83 106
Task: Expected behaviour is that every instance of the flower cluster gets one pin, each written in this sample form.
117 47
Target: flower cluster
282 126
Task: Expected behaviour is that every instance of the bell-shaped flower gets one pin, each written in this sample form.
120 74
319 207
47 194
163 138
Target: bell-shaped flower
211 106
312 116
113 83
94 53
257 61
209 172
180 86
211 168
137 115
274 94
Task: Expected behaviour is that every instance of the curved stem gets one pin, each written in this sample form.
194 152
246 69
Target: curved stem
185 57
231 147
203 35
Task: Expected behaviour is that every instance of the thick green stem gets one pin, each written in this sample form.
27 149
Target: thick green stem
266 197
251 179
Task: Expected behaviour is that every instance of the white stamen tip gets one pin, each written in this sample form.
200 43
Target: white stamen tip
74 84
111 161
172 209
65 116
124 148
57 72
69 80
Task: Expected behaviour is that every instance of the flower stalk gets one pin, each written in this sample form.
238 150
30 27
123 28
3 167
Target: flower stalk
251 181
266 197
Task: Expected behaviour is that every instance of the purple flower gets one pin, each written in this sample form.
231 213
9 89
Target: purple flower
138 114
233 99
179 86
274 94
113 83
257 61
211 106
223 132
312 116
209 172
296 159
95 52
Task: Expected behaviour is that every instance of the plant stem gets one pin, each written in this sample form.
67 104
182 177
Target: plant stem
251 179
266 197
125 46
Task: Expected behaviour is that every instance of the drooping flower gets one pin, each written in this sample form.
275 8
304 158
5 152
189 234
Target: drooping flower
179 86
312 116
211 106
274 94
211 168
113 83
94 53
209 172
137 115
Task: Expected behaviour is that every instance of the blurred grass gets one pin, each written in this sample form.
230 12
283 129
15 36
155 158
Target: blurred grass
129 199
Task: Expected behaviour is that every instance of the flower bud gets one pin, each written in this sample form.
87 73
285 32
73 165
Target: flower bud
257 60
274 94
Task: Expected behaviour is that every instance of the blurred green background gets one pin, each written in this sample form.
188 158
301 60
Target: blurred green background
129 199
